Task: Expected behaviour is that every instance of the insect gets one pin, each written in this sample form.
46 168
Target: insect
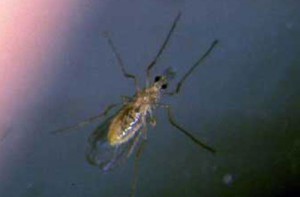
125 131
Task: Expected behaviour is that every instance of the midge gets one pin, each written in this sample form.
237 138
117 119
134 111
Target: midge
126 130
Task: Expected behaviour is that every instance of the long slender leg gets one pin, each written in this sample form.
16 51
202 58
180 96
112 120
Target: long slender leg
134 145
126 99
197 63
120 61
162 48
136 167
87 121
185 132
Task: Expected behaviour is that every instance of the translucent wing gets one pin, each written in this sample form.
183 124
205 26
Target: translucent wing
100 153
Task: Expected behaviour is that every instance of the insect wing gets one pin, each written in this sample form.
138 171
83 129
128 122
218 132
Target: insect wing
100 153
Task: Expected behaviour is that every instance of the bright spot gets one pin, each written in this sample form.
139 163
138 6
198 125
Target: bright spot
227 179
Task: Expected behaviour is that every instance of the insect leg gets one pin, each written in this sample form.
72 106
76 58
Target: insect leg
126 99
152 121
136 142
185 132
134 145
86 122
120 61
197 63
136 166
163 46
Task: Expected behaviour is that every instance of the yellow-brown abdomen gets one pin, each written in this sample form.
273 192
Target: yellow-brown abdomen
124 126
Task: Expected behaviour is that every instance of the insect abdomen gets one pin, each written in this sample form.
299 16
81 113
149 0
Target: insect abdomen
124 126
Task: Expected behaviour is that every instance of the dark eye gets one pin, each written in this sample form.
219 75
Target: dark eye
157 78
164 86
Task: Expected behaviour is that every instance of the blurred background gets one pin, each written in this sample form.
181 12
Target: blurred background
56 69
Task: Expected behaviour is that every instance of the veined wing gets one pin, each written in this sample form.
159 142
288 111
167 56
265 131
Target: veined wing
100 153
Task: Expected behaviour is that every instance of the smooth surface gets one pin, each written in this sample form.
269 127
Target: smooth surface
243 101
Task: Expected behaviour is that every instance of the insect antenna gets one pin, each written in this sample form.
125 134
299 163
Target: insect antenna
120 61
162 48
197 63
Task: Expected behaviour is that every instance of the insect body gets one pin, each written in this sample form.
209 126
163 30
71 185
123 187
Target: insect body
133 115
124 131
121 133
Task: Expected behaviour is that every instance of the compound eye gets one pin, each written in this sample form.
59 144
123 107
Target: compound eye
164 86
157 78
